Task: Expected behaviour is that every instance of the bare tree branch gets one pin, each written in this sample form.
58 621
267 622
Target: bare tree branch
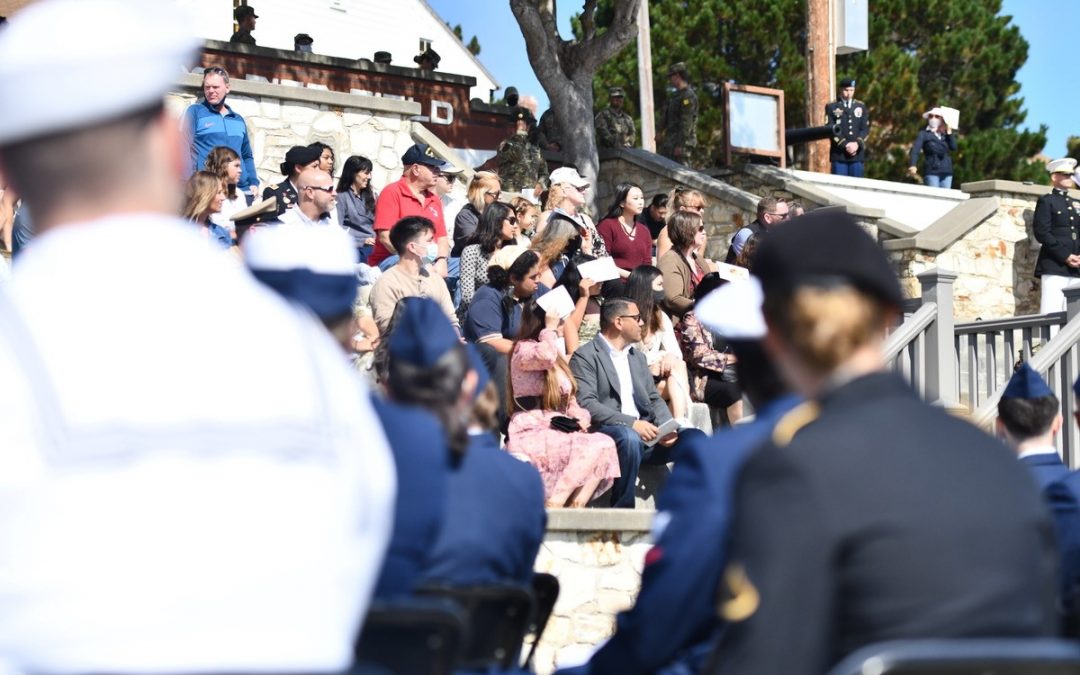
588 20
591 54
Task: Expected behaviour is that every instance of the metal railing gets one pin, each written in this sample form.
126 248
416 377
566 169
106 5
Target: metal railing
966 366
920 348
1055 355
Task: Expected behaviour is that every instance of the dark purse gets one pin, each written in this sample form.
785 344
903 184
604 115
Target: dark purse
565 424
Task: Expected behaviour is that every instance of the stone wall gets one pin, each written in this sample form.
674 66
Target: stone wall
994 260
597 555
729 208
279 117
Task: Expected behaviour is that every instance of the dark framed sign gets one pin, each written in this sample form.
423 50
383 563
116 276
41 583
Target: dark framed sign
753 122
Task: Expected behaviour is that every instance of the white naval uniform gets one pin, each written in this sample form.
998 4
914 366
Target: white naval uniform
171 502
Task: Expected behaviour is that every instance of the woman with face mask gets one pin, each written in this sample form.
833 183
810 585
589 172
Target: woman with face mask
936 141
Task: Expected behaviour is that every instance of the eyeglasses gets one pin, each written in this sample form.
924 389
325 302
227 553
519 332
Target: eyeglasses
635 317
328 189
493 193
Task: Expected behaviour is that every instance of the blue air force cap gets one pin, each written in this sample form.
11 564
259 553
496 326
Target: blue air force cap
1026 384
422 334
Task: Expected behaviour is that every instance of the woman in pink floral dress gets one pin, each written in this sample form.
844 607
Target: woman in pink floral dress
548 428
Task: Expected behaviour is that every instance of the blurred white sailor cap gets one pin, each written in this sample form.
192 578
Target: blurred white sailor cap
313 266
68 64
734 310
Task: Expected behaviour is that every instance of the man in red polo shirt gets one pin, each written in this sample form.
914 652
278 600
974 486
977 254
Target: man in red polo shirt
413 195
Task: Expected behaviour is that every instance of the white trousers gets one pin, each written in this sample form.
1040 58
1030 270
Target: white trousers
1052 298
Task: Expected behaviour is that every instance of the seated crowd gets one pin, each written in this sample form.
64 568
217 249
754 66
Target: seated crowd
173 505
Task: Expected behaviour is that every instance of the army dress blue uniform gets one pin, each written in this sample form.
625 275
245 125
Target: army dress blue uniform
873 516
423 466
853 119
694 514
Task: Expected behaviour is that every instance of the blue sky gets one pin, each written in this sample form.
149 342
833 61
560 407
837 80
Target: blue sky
1051 93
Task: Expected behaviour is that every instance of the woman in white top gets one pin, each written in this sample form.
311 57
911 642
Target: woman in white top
225 163
645 286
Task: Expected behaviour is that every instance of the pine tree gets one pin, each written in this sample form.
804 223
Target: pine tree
959 53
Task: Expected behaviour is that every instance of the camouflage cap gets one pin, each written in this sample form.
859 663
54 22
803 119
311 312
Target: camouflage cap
678 69
616 92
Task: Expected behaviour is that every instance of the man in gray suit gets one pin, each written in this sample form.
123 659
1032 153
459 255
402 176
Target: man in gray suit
616 387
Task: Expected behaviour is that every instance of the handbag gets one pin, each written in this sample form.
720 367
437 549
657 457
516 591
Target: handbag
565 424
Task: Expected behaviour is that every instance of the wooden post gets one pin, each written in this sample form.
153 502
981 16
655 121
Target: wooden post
820 69
645 83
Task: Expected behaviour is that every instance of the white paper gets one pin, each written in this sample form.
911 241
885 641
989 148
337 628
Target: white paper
951 116
557 301
599 270
731 272
666 428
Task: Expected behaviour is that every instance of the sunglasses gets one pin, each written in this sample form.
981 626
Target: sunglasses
512 220
635 317
328 189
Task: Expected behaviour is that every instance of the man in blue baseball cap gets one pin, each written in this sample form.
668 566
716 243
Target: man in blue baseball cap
412 195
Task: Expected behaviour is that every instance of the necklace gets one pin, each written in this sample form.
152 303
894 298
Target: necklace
631 232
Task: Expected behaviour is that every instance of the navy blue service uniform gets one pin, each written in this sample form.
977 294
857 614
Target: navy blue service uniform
1057 227
422 461
873 516
495 519
284 193
689 555
853 121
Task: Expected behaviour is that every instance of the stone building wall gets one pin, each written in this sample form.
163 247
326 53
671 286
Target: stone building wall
279 117
994 261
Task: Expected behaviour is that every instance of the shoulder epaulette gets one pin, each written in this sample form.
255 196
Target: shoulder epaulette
793 422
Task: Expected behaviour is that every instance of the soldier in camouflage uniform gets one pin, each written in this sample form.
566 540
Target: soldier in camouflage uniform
679 135
614 128
521 164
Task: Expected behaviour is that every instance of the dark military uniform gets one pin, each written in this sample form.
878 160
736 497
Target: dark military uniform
853 119
242 37
614 129
878 517
284 193
1057 227
679 123
548 132
521 164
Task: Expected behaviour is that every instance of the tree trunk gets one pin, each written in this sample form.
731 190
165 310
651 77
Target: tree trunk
566 68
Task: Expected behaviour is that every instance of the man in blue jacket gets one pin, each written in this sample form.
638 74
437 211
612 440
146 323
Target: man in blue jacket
211 122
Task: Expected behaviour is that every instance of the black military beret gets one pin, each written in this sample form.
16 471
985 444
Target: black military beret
847 82
823 249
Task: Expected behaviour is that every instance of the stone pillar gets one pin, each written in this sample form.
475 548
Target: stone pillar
937 287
